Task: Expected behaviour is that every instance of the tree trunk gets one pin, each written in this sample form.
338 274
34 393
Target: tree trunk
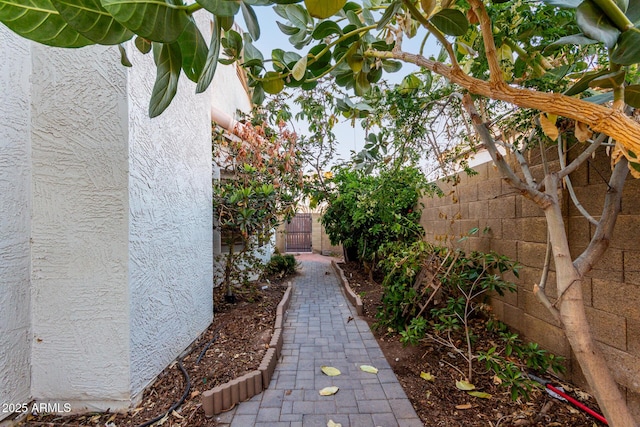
574 319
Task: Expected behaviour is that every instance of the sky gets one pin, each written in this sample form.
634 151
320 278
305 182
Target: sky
351 138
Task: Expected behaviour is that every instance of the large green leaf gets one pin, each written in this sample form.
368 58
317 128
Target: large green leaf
143 45
594 24
221 7
325 29
252 56
609 80
39 21
628 50
451 22
169 64
362 84
574 39
272 82
211 64
583 84
389 13
90 19
633 11
323 9
155 20
251 20
257 97
194 51
600 98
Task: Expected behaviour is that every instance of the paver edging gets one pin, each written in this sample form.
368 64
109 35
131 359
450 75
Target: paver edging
353 298
225 396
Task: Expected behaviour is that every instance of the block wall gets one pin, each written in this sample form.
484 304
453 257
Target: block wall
512 225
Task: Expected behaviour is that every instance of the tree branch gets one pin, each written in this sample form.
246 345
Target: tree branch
614 123
575 164
481 128
612 205
486 27
433 30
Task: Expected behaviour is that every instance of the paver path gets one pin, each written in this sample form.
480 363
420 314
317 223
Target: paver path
318 332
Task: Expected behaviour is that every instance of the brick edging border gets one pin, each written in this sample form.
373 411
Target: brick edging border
224 397
355 300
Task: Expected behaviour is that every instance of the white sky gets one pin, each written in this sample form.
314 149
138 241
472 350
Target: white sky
351 138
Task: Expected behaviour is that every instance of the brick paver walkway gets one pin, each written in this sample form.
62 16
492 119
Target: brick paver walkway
318 332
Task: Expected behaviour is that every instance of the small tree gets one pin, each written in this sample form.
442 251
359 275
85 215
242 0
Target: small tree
260 187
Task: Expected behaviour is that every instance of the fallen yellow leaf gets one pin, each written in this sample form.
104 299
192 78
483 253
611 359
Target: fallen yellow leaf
368 368
480 394
465 385
427 376
330 371
328 391
331 423
465 406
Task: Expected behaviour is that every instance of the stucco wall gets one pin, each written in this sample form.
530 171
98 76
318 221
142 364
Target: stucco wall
15 199
170 223
79 227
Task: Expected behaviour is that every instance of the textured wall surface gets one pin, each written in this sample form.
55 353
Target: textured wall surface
517 228
79 227
227 91
15 199
170 223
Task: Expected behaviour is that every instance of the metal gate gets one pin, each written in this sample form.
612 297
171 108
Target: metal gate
299 233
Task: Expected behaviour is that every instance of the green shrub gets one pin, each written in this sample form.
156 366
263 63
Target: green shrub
281 266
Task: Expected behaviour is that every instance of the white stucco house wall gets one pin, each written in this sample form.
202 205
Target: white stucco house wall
106 239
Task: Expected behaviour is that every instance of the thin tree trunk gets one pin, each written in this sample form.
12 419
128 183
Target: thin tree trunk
574 318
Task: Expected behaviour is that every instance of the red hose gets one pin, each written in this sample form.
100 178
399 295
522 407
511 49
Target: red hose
576 403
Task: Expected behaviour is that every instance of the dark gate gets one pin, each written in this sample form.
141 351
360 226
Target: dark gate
299 233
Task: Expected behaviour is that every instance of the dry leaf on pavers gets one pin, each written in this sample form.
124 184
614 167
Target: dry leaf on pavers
368 368
330 371
427 376
328 391
333 424
465 385
480 394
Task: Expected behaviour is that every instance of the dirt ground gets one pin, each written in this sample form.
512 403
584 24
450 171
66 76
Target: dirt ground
230 348
439 402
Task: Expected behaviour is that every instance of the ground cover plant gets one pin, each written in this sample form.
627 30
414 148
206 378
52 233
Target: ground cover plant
440 295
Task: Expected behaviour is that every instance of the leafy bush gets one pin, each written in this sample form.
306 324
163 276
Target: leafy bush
435 293
366 212
281 266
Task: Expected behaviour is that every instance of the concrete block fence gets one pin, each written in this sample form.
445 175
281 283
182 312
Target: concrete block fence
516 227
224 397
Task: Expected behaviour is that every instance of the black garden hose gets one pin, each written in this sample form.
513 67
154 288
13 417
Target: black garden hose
186 377
178 403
